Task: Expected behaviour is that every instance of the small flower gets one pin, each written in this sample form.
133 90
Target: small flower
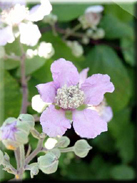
92 17
45 50
69 90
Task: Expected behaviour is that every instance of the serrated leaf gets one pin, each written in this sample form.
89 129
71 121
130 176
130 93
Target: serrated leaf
103 59
118 30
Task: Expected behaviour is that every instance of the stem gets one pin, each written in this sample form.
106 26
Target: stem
23 83
77 27
22 158
17 156
68 149
35 152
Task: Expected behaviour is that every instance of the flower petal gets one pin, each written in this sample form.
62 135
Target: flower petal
38 12
6 36
107 114
29 33
95 87
54 122
38 104
83 76
64 72
88 124
47 92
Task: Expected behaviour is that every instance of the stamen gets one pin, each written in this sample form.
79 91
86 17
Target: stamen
69 97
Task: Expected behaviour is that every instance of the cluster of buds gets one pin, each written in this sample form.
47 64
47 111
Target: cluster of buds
76 48
14 132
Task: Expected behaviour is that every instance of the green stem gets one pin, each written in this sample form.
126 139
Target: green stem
72 31
68 149
17 156
35 152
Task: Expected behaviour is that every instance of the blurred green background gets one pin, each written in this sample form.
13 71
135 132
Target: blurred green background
113 153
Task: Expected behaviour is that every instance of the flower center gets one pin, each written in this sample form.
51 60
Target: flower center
69 97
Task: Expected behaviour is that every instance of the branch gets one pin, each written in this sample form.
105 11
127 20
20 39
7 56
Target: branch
23 83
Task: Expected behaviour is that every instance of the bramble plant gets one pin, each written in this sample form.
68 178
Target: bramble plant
71 98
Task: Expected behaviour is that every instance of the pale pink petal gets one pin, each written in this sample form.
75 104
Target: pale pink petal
47 92
29 33
83 76
64 72
107 114
88 124
54 122
39 11
6 36
95 87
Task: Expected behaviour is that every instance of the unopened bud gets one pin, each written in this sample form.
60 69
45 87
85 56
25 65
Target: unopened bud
81 148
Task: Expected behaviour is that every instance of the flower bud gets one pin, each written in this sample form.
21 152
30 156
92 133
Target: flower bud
51 19
63 142
85 40
48 163
76 48
14 132
92 17
34 169
81 148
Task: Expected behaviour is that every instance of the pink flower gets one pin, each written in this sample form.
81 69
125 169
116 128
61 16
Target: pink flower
69 90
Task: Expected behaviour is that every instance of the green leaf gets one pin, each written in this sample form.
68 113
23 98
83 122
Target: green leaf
81 148
122 130
67 11
128 50
11 64
12 103
114 28
12 48
122 172
128 7
103 59
31 65
118 11
48 163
